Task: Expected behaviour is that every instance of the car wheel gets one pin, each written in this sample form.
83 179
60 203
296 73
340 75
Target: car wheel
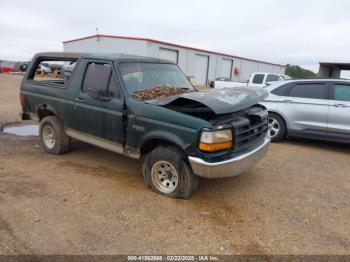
53 138
166 172
277 127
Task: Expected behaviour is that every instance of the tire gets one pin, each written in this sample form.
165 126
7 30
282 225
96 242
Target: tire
277 127
53 138
169 163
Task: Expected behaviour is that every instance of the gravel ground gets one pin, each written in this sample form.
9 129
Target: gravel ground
91 201
9 98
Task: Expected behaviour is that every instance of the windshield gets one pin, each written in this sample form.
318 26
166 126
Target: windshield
153 80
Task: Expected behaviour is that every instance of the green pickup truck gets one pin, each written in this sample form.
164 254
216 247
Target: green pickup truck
146 108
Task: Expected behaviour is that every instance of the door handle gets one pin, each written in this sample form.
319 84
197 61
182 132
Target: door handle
79 99
288 101
340 105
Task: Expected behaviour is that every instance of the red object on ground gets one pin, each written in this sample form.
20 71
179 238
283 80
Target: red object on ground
5 69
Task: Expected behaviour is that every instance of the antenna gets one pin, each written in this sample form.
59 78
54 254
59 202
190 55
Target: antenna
97 34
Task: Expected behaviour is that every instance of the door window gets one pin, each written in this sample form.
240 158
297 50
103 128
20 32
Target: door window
342 92
97 77
258 78
272 78
309 90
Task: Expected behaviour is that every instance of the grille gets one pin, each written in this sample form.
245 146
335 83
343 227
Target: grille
249 129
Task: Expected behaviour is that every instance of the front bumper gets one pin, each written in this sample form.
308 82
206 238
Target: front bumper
231 167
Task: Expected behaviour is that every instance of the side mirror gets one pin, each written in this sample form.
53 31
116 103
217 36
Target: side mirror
97 94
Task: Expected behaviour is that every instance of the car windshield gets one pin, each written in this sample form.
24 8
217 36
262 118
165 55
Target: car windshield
145 81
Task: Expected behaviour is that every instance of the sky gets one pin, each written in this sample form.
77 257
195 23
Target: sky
289 31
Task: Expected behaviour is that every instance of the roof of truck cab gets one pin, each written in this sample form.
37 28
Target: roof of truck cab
114 57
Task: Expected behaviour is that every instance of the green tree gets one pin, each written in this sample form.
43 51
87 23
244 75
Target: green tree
298 72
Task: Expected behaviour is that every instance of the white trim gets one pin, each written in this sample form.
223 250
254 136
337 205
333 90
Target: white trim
96 141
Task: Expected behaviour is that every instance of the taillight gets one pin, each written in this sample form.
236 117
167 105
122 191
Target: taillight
21 100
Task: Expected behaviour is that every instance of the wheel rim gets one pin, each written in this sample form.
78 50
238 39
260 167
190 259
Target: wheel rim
274 127
164 177
49 137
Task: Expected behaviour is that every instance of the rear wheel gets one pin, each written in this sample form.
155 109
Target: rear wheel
166 172
53 138
277 127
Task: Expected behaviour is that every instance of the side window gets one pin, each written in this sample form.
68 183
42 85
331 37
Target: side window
342 92
97 76
309 90
272 78
52 71
282 90
258 78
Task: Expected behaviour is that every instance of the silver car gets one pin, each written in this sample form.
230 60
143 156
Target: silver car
317 109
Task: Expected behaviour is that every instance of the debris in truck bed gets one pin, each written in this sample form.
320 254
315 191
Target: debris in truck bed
157 92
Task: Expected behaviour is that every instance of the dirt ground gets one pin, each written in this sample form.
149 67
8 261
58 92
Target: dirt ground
91 201
9 98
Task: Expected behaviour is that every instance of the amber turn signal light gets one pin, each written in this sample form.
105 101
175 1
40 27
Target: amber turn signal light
215 147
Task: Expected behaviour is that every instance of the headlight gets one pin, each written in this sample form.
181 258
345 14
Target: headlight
211 141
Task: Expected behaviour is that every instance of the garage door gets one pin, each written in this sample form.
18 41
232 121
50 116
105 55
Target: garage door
168 54
226 68
201 69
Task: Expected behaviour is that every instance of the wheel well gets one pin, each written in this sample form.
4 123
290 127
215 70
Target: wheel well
153 143
281 118
44 112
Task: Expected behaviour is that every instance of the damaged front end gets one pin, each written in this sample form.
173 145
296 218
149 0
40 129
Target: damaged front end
236 108
213 105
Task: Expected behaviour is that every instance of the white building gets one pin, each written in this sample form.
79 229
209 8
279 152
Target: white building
204 65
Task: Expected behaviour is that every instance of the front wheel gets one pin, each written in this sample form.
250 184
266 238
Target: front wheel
166 172
277 127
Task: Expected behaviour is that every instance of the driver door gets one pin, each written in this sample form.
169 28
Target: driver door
99 104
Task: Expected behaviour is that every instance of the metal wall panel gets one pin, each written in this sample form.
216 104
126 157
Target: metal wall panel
107 45
279 69
265 68
169 54
201 69
204 66
226 68
247 67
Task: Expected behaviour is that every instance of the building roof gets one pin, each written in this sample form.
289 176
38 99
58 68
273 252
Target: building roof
169 44
342 66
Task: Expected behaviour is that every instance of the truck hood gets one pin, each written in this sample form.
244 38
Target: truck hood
219 101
